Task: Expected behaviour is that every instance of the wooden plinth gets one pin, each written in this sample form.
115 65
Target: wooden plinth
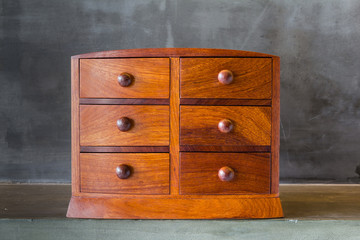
175 208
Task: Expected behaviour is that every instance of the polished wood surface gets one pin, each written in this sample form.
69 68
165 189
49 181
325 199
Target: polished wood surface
176 208
300 201
75 125
174 127
226 174
199 125
225 76
149 173
99 78
275 130
123 171
171 52
125 79
124 124
98 125
199 173
252 78
213 106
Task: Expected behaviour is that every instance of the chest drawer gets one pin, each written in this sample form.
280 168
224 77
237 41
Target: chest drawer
240 173
124 125
225 125
124 78
141 173
242 78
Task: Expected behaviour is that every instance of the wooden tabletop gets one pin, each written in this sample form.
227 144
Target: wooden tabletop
300 201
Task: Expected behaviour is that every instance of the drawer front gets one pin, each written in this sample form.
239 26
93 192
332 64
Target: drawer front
202 125
251 78
103 125
149 78
250 173
147 173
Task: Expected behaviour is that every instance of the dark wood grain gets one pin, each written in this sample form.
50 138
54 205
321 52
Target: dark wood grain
133 149
224 102
199 173
275 130
252 78
98 125
223 148
99 78
172 52
123 101
150 173
199 125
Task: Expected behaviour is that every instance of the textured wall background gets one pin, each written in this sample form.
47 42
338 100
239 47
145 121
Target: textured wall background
318 42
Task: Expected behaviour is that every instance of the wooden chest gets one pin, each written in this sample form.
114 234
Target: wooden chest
175 134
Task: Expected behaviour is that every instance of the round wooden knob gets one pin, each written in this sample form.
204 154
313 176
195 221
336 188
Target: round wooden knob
225 76
226 174
125 79
123 171
124 124
225 126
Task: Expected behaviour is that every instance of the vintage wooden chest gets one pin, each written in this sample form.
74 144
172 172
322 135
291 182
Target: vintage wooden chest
175 134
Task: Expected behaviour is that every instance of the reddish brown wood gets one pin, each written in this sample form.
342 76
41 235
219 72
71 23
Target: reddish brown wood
252 78
123 171
149 78
124 124
225 77
138 149
224 102
98 125
160 185
149 173
123 101
75 125
226 174
125 79
172 52
199 125
275 130
199 173
225 126
174 126
175 208
222 148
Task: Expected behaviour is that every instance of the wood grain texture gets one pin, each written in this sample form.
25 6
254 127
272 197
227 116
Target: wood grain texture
224 102
172 52
124 101
180 208
174 127
138 149
99 78
199 125
199 78
75 145
222 148
275 130
199 173
149 175
98 125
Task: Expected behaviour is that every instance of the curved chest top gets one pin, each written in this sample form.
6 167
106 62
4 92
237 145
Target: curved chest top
173 52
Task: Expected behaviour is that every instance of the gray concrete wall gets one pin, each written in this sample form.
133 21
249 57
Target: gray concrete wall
318 42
